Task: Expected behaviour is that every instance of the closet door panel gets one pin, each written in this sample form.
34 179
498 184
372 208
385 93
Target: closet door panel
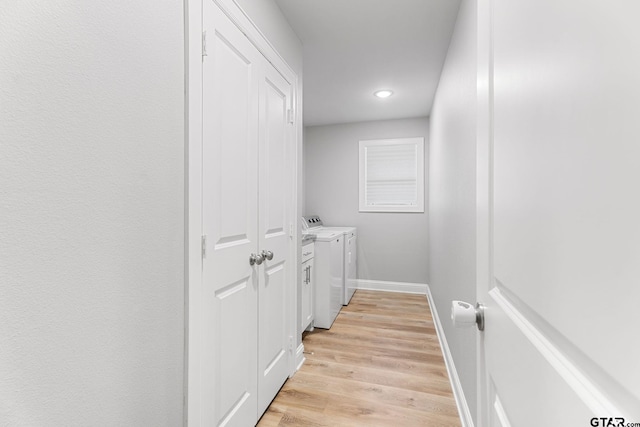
230 195
275 161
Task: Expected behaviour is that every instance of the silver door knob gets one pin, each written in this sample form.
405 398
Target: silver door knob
464 314
268 255
255 259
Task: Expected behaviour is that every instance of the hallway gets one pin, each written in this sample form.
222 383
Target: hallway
157 159
380 364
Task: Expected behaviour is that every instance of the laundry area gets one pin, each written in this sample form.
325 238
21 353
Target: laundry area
323 213
335 274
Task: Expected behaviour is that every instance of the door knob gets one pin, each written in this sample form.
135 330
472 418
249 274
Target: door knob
255 259
268 255
464 315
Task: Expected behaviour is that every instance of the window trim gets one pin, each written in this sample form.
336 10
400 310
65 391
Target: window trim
420 184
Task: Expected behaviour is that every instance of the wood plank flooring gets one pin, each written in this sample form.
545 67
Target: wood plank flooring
380 364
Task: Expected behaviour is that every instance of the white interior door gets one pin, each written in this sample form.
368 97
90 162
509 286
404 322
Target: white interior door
275 162
230 204
558 211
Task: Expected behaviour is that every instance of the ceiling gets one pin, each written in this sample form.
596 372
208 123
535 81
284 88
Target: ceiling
354 47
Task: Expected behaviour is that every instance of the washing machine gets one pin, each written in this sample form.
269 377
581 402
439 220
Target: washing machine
328 260
313 224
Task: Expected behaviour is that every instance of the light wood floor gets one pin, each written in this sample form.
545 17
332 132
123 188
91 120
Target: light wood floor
380 364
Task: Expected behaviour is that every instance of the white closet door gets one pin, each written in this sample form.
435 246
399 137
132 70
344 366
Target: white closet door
230 165
275 161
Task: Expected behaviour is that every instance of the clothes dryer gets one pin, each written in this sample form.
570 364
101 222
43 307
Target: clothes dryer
349 282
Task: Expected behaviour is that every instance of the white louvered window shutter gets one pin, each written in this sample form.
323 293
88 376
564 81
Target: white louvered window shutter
392 175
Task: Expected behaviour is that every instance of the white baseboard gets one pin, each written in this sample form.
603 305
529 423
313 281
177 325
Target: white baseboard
299 357
458 393
380 285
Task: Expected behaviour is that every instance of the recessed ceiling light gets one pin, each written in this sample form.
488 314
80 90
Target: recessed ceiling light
383 93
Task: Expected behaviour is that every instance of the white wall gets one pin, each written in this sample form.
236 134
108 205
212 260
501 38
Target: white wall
391 246
452 261
92 211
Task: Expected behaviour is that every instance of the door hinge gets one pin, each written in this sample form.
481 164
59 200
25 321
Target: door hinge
290 343
290 116
291 229
204 44
204 246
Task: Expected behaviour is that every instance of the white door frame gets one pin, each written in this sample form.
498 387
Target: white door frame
193 189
